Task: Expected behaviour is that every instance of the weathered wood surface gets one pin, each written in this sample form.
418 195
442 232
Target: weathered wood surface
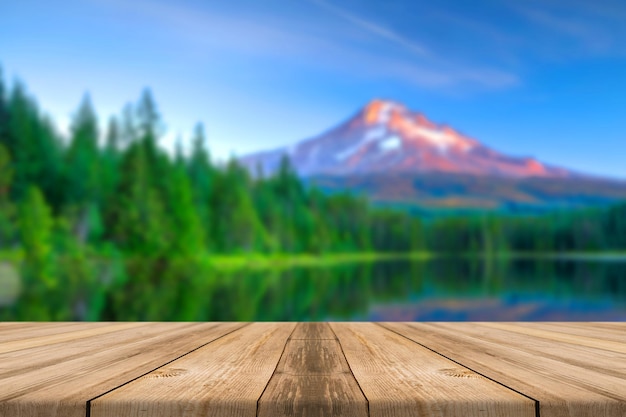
402 379
570 375
224 378
313 369
313 378
58 379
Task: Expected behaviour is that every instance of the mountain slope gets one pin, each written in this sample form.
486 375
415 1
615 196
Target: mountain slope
386 137
398 157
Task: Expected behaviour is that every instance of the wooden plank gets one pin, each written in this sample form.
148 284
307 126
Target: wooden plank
11 331
32 357
58 380
615 332
313 330
401 378
559 336
59 334
568 379
225 378
313 378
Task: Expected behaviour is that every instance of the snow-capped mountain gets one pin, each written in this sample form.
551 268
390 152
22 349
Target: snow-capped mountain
400 158
386 137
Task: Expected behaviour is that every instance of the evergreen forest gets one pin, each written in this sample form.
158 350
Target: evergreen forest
106 205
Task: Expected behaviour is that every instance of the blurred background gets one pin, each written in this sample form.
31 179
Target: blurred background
318 160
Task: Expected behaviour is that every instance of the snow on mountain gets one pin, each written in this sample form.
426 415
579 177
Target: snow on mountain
386 137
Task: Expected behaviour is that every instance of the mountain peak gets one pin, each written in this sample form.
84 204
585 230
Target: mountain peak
386 137
378 111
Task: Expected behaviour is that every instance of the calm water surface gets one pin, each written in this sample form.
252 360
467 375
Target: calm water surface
442 289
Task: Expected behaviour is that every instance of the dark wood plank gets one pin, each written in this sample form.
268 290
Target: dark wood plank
313 378
313 330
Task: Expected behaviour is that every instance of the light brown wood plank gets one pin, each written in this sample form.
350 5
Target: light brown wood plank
554 336
225 378
59 334
33 353
615 332
58 380
74 346
401 378
12 331
313 378
569 379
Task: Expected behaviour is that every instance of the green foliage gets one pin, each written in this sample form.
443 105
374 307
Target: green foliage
34 147
6 173
88 216
136 213
35 223
82 173
186 237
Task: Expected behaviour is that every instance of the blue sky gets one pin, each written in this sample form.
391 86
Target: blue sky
535 78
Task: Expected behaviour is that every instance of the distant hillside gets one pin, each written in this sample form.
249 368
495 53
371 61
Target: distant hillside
398 157
455 191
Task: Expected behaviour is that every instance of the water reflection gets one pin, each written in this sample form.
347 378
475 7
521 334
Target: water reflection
442 289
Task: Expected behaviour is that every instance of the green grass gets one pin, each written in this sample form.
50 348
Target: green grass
230 262
260 261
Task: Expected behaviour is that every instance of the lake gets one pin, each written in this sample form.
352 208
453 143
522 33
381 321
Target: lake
442 289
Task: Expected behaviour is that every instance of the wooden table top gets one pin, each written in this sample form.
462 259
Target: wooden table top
312 369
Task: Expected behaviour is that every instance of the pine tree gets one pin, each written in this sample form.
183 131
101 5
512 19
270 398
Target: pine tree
109 161
236 225
4 114
34 148
83 177
186 237
6 174
128 128
148 116
7 228
201 175
35 223
135 216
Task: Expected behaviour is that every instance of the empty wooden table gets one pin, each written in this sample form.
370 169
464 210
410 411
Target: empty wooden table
312 369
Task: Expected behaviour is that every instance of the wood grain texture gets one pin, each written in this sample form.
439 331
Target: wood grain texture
313 378
58 334
401 378
615 332
599 340
10 331
57 380
569 378
225 378
312 369
313 330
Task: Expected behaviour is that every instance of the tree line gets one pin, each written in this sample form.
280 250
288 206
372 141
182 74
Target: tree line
116 192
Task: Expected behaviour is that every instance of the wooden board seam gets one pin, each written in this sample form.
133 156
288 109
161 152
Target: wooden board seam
258 401
537 407
88 405
367 401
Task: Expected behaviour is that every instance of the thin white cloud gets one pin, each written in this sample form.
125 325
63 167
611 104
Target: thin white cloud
298 41
574 28
373 28
589 35
452 78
